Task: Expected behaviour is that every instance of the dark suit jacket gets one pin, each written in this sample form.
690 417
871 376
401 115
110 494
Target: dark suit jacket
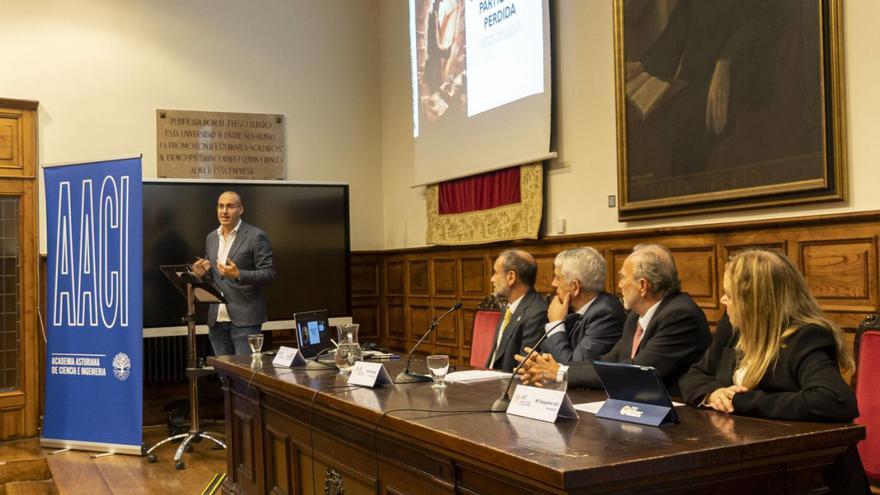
676 337
803 384
525 328
594 334
253 255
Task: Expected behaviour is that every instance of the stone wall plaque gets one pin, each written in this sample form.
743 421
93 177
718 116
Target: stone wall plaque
220 145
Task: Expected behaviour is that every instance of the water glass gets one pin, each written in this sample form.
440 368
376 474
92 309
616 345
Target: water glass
255 340
438 365
348 350
347 354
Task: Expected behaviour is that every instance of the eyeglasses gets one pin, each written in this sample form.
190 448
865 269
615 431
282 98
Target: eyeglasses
231 206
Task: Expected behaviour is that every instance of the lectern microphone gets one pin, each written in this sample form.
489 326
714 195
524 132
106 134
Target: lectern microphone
407 376
501 404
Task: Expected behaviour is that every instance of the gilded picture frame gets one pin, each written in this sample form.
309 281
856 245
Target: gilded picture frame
728 104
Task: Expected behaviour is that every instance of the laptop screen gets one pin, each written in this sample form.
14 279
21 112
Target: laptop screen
312 332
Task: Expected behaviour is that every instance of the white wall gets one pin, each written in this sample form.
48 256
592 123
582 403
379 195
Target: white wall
101 68
339 71
580 180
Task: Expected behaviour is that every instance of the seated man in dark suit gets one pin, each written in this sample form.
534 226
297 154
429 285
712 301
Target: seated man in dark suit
665 328
579 279
522 323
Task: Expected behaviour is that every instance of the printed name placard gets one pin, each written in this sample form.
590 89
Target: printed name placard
289 357
369 375
541 404
637 412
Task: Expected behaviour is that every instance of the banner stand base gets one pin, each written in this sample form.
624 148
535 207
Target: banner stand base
110 448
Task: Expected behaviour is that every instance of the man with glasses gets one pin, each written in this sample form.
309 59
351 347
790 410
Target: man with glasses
239 259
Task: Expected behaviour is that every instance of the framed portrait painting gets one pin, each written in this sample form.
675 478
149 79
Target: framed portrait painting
728 104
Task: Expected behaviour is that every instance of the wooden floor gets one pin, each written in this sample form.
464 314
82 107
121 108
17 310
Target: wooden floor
76 473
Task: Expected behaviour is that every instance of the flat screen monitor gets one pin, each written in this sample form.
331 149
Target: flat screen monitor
312 332
307 225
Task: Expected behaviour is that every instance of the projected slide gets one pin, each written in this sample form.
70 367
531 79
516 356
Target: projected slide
315 332
505 52
480 76
470 56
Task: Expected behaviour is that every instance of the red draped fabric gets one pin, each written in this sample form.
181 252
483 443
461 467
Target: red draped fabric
480 192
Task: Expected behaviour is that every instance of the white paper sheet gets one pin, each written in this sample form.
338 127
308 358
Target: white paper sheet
472 376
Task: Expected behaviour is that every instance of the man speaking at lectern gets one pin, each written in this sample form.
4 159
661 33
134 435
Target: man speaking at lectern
239 259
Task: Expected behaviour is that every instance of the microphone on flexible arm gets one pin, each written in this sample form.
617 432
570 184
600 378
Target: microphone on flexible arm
406 376
501 404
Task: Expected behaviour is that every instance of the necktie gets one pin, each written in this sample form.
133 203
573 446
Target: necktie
637 339
504 322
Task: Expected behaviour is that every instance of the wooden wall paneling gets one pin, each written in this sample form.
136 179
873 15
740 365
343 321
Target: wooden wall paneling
366 314
365 276
444 272
729 250
419 278
837 253
697 271
842 273
396 322
395 277
475 272
420 314
468 314
366 287
544 280
448 333
617 257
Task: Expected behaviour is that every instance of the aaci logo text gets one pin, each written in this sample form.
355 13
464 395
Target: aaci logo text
91 253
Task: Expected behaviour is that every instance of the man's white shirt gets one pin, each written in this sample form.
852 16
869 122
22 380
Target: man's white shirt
222 253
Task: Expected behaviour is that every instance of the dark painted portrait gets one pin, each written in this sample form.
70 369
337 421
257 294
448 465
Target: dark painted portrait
724 103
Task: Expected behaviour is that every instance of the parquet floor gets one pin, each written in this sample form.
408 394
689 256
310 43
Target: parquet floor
76 473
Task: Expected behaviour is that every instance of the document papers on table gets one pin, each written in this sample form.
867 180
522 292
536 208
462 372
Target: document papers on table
472 376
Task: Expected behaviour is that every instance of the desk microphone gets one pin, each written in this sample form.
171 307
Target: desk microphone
501 404
409 377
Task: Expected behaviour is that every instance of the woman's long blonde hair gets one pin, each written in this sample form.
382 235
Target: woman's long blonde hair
771 300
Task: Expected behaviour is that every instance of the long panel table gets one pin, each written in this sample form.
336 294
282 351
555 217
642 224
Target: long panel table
293 431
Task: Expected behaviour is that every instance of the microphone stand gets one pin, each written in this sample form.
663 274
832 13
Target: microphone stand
502 403
406 376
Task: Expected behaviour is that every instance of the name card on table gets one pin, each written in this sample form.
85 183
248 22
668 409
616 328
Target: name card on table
369 375
289 357
541 404
637 412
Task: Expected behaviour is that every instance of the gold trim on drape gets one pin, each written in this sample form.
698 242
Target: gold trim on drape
516 221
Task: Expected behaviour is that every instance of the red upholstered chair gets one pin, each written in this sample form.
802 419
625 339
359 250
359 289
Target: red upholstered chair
867 354
482 343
